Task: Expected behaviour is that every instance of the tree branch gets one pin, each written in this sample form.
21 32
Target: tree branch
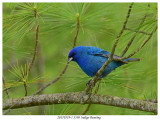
75 98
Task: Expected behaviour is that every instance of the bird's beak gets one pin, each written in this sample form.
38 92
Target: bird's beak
70 59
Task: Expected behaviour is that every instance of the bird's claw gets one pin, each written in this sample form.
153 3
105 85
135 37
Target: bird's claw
85 97
90 85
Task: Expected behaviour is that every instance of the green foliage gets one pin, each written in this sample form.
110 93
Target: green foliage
100 23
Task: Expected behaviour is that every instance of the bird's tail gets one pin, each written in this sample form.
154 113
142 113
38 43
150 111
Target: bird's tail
132 59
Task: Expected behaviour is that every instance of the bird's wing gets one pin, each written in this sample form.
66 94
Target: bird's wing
99 52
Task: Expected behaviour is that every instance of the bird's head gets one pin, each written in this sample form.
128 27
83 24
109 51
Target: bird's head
75 53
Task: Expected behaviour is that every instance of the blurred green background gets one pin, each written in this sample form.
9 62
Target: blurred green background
100 23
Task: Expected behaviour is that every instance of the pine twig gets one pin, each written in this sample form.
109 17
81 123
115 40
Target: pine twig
25 87
89 105
6 88
77 31
122 30
142 32
56 79
144 43
65 68
36 41
4 84
35 50
86 110
134 36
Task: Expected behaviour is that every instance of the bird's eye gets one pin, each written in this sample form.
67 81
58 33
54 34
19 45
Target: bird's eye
73 54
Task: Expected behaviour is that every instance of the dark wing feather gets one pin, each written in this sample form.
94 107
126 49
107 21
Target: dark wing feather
99 52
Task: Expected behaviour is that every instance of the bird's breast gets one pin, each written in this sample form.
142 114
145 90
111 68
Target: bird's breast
91 64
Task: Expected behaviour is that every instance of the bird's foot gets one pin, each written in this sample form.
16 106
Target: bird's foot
90 85
84 97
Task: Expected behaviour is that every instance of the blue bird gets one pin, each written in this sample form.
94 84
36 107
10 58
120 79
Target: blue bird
91 59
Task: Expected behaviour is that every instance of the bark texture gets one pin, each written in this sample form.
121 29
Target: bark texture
79 98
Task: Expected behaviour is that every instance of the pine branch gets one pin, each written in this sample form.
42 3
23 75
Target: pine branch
75 98
56 79
134 36
36 41
65 68
25 87
86 110
89 105
77 31
95 78
122 30
4 84
137 31
144 43
35 51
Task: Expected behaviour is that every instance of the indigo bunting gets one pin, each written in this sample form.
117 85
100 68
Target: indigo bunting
91 59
